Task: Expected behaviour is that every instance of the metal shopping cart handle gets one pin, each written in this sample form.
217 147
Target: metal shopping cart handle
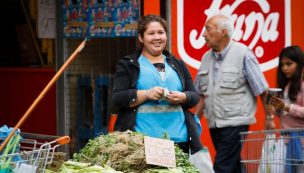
63 140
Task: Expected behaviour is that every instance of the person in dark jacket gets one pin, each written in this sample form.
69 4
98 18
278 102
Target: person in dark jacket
153 91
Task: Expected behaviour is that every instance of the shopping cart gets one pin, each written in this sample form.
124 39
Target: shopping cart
29 155
272 151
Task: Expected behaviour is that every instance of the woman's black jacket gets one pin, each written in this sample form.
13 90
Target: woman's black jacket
124 93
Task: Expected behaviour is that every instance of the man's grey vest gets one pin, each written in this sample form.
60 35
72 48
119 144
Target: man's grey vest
229 101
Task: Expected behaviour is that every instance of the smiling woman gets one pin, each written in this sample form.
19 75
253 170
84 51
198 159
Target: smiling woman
141 86
154 40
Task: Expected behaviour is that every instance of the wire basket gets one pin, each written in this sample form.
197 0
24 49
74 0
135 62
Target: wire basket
29 155
272 151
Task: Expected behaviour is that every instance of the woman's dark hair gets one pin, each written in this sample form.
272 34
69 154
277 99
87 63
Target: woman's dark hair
295 54
147 19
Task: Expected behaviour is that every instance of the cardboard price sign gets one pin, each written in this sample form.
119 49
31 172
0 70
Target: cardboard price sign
160 152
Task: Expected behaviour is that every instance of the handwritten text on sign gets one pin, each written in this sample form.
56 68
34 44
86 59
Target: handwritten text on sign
160 152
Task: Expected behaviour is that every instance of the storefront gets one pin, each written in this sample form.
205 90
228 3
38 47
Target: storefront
78 105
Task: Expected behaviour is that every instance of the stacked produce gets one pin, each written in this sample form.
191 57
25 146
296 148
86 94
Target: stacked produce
123 151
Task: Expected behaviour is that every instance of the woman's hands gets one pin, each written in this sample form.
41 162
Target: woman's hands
278 104
157 93
176 97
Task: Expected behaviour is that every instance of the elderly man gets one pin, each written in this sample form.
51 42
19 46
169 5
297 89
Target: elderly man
228 81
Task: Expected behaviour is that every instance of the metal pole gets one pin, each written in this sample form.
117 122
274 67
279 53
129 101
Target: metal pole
43 92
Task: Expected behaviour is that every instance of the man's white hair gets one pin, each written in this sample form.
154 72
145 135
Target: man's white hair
225 22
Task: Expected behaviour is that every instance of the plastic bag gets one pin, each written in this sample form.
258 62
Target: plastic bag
273 155
202 161
25 168
5 161
279 157
198 123
267 155
294 154
5 131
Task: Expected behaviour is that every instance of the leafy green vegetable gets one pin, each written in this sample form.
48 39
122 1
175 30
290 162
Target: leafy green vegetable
123 151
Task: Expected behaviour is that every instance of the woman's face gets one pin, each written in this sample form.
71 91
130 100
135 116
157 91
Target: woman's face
154 39
288 67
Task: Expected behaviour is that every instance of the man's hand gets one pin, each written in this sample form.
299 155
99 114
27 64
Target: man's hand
269 124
